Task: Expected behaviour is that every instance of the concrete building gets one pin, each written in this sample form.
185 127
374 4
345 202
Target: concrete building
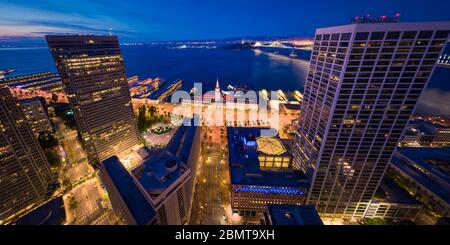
35 112
160 191
442 137
282 214
419 132
93 75
392 202
363 84
425 172
254 186
25 174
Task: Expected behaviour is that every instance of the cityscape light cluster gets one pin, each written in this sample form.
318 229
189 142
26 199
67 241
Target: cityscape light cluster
87 145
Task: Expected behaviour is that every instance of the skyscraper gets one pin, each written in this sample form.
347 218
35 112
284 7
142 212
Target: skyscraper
363 84
93 75
24 171
35 113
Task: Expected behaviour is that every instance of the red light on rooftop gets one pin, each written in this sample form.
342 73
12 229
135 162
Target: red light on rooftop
397 15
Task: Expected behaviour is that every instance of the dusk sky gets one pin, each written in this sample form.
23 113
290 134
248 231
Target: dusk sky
158 20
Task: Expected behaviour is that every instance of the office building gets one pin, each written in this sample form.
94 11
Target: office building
257 173
25 174
425 172
442 137
35 113
363 84
282 214
92 72
47 81
160 190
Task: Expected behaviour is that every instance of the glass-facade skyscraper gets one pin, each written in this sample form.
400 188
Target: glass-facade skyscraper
93 75
363 84
25 173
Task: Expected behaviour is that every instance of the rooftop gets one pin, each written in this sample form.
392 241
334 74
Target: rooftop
164 88
33 99
435 160
399 26
423 126
139 206
181 143
50 213
165 167
395 194
244 163
281 214
270 145
420 167
159 172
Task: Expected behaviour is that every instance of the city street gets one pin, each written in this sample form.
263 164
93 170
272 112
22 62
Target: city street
212 188
89 204
84 200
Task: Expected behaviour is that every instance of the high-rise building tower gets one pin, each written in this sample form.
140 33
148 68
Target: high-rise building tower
25 174
93 75
363 84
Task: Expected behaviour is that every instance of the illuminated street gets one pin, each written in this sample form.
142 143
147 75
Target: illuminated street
90 207
85 201
233 114
212 189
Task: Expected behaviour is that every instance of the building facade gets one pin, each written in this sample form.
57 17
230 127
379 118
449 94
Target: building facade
47 81
25 174
424 172
442 137
93 75
253 183
363 84
160 190
35 113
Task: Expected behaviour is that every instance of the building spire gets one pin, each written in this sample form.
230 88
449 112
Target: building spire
217 93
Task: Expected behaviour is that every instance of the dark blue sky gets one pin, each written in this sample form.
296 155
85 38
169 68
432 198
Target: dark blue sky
152 20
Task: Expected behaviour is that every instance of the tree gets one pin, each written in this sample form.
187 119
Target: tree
47 140
142 121
53 158
152 111
73 204
54 97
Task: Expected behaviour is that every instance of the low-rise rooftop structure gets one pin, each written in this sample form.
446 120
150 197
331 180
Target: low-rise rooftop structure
425 171
50 213
281 214
254 185
127 199
163 181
